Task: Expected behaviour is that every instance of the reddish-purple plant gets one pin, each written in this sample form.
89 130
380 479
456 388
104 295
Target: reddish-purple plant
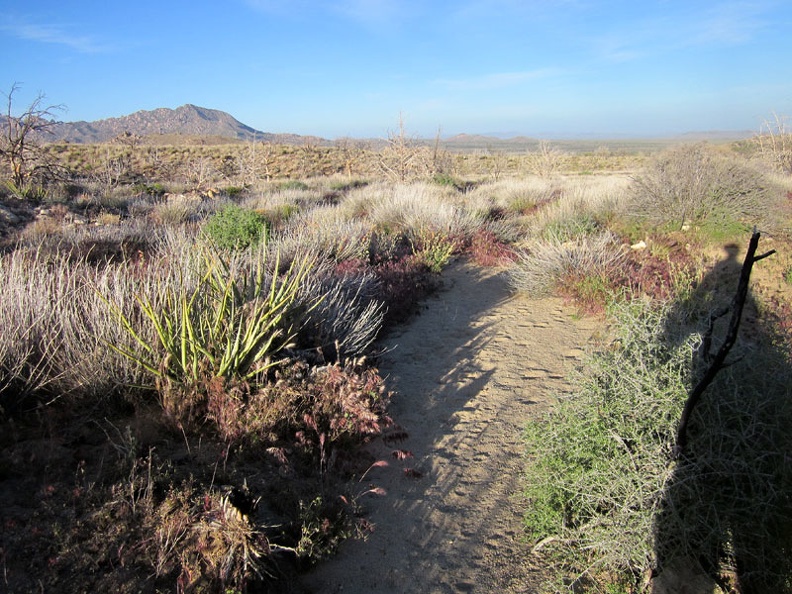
486 249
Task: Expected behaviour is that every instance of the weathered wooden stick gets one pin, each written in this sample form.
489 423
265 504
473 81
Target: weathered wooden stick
731 336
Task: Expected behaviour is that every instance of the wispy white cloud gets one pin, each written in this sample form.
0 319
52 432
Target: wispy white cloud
728 24
496 80
733 23
56 35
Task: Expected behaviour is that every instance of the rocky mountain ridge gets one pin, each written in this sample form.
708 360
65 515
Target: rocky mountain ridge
187 120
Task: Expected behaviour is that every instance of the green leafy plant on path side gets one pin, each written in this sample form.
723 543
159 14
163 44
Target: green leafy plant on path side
434 249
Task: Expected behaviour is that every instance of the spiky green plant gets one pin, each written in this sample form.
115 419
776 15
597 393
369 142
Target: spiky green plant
230 323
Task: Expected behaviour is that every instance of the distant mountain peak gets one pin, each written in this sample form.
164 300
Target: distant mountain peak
188 120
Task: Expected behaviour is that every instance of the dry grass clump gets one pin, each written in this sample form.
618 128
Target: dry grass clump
56 331
404 208
549 265
325 230
348 317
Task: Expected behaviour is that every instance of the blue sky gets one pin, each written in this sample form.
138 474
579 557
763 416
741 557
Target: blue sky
350 67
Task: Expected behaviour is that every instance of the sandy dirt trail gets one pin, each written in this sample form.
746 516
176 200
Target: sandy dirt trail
469 372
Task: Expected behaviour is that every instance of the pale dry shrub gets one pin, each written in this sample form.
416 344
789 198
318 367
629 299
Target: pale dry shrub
277 197
348 317
325 231
56 331
408 207
576 199
546 264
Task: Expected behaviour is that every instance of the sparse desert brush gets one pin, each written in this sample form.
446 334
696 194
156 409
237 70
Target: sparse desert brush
694 184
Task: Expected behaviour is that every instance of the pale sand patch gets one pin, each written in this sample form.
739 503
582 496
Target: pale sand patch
468 373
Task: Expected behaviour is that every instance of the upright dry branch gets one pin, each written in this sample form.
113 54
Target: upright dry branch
18 143
731 336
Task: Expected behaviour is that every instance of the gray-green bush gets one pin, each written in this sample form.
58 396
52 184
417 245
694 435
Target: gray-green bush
605 493
694 183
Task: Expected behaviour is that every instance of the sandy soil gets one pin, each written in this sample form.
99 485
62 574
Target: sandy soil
469 372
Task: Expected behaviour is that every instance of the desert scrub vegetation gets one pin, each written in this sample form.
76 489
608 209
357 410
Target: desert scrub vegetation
698 185
160 334
233 227
609 502
243 289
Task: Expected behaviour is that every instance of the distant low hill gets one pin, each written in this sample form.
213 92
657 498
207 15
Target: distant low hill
185 121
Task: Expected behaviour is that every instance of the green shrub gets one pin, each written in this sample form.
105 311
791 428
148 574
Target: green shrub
605 494
293 184
448 180
434 249
234 191
235 228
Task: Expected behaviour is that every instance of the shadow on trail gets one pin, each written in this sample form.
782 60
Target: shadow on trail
726 514
446 523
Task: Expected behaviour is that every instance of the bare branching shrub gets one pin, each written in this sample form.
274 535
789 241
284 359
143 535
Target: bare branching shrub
775 142
545 160
20 143
404 159
693 184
